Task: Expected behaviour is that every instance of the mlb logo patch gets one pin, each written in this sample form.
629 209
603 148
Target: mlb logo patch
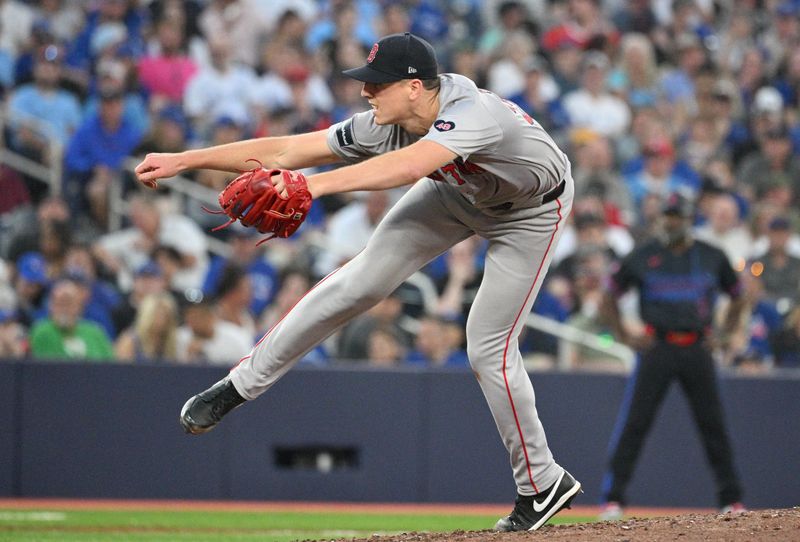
444 125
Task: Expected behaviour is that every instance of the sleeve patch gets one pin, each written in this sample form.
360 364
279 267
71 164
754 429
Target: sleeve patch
344 134
444 125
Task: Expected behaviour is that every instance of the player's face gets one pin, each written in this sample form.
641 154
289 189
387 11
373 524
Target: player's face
676 229
388 101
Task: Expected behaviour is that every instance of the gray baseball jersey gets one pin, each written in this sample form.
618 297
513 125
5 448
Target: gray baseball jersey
511 185
504 155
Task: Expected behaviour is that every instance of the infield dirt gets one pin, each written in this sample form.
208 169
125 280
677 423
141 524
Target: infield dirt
754 526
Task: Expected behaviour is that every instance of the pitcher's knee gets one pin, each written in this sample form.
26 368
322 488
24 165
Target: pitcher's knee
482 358
485 346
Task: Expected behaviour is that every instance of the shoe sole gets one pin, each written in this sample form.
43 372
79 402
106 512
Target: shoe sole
563 502
189 427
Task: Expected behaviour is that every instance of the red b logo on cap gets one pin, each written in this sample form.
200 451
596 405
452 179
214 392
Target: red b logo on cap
372 53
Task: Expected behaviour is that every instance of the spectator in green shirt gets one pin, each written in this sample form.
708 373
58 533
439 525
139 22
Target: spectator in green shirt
64 335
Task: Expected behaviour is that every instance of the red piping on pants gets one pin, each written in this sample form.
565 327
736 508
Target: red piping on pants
508 341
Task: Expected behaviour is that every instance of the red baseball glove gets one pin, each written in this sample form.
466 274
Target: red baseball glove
251 199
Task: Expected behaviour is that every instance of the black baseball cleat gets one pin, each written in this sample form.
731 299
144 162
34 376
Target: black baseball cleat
532 511
205 410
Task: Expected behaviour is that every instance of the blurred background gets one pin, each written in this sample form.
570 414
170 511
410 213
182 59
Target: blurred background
646 97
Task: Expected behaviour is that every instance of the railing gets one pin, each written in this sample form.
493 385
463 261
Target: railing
577 336
50 175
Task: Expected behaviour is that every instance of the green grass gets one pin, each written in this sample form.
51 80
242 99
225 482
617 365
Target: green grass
205 526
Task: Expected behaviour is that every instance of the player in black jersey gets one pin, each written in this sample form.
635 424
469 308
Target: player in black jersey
679 279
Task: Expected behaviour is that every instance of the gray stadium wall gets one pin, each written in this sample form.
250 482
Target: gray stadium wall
111 431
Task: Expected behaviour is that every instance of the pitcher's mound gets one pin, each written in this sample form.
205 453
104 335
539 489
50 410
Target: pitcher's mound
772 525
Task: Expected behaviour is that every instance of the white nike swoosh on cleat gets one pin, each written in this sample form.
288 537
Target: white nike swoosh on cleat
539 507
558 505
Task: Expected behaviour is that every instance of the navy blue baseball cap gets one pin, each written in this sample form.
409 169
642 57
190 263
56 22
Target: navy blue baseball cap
396 57
678 205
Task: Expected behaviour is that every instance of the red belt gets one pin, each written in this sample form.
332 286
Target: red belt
682 338
677 338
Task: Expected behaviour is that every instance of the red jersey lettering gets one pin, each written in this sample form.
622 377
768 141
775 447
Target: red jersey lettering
454 171
451 170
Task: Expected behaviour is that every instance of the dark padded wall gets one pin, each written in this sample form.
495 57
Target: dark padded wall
376 414
111 431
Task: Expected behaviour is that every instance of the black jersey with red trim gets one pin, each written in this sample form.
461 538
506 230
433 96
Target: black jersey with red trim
677 290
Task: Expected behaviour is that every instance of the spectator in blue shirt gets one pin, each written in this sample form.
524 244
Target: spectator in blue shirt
538 98
429 21
96 152
103 139
116 72
117 22
41 111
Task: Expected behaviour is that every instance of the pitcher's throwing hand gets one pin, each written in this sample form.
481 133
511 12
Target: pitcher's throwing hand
157 166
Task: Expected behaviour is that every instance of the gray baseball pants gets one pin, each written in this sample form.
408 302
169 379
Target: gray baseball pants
430 218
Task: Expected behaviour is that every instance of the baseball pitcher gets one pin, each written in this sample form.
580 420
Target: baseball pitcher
478 165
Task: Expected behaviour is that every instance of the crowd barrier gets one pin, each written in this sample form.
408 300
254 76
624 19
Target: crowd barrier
111 431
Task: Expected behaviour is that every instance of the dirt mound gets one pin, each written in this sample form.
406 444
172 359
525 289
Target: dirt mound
772 525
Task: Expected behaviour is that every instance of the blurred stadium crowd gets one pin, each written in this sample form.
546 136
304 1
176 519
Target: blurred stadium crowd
647 98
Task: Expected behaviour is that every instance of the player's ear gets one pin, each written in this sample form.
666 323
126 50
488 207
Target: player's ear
415 88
